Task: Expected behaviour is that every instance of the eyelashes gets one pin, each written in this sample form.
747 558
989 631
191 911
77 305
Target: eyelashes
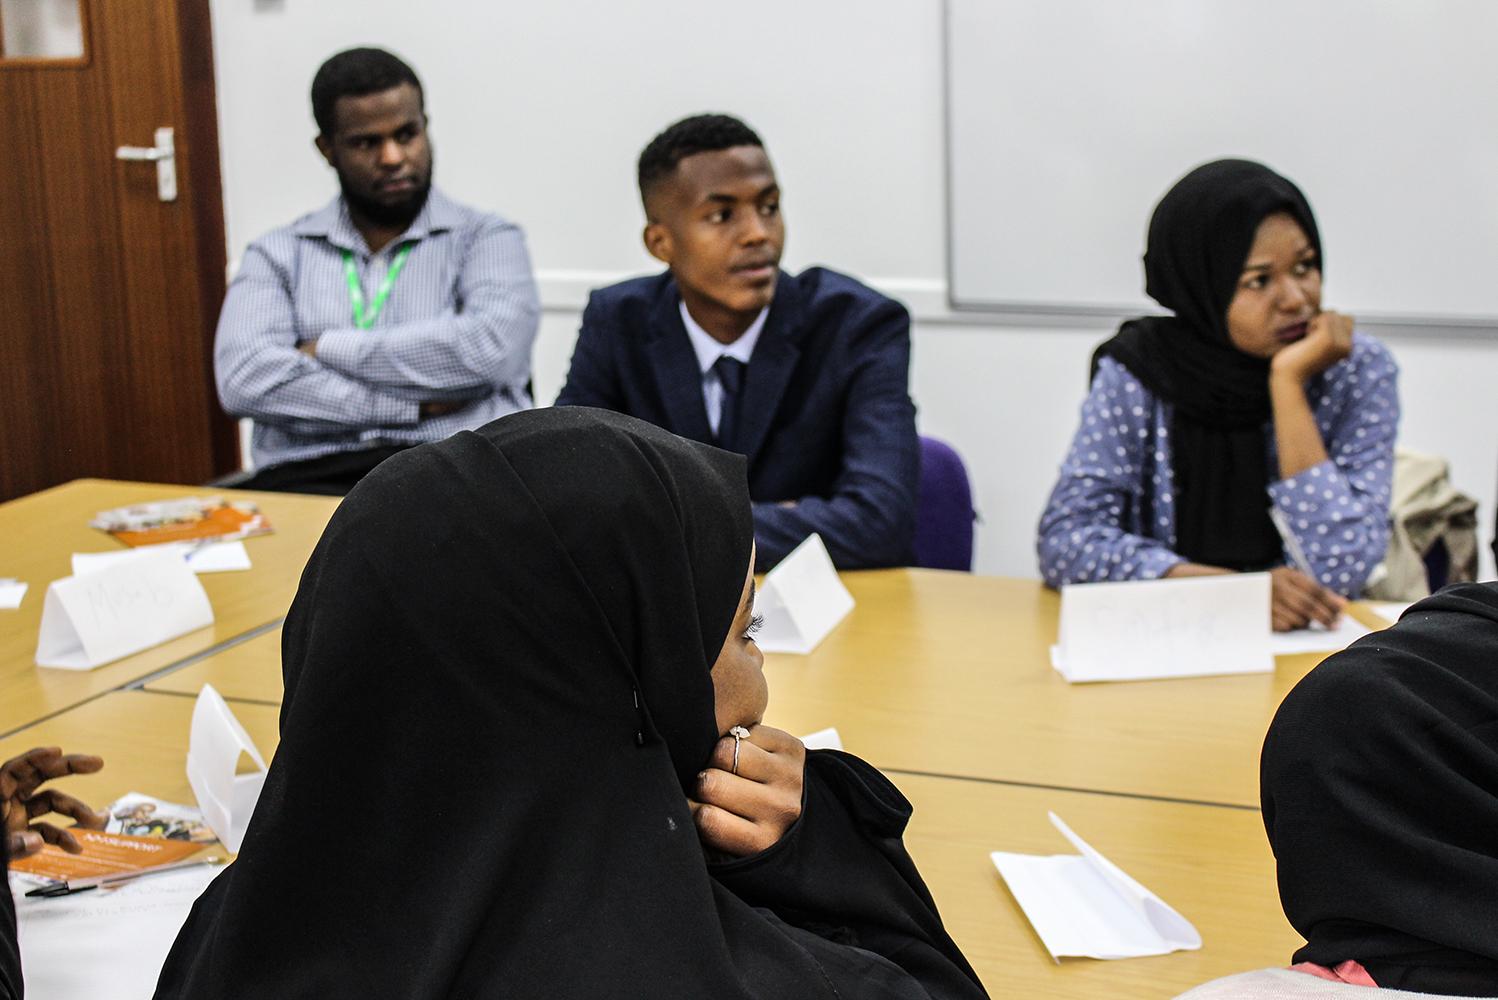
755 624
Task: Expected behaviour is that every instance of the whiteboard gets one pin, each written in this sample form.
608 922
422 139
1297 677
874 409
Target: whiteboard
1068 119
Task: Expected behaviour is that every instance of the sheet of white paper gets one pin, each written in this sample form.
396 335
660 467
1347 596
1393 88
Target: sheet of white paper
105 944
1145 629
130 605
214 744
215 557
823 739
1319 640
801 600
11 592
219 557
1390 610
1086 906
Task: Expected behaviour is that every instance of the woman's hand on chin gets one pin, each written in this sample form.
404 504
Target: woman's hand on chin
1327 341
747 812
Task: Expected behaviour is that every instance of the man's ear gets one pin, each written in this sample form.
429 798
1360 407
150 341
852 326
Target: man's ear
325 147
657 240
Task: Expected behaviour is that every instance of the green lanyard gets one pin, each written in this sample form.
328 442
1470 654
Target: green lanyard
362 319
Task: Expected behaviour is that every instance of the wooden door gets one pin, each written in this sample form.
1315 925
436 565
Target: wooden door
109 295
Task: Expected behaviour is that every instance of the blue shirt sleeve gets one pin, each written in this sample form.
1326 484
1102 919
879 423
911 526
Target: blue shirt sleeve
1339 510
1092 526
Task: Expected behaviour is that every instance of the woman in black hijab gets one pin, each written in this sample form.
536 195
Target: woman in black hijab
1248 396
511 658
1379 784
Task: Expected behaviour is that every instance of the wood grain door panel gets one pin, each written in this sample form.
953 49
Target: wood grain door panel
107 294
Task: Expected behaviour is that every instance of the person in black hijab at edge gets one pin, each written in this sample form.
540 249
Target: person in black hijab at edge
1248 395
502 770
1379 785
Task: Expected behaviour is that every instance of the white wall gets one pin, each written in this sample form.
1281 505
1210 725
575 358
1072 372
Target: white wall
538 111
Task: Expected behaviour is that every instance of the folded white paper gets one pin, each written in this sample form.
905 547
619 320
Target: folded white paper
11 592
1390 610
802 600
1147 629
217 739
214 557
1319 639
1083 905
823 739
133 604
105 944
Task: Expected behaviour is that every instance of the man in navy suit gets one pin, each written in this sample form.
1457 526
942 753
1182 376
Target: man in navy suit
805 374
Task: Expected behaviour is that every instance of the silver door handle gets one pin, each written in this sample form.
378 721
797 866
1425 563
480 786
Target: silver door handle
164 155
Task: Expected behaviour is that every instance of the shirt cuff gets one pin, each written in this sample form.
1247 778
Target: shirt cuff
1154 563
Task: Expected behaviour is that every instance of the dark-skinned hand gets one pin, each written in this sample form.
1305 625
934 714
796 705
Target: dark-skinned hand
745 813
1296 601
22 800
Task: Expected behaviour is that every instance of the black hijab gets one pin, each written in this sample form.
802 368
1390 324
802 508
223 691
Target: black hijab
1199 238
466 800
1380 796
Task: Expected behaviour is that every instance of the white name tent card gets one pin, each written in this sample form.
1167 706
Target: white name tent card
133 604
11 593
1146 629
802 600
214 557
1084 906
227 799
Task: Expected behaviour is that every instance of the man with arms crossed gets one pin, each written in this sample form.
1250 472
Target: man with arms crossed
388 317
805 374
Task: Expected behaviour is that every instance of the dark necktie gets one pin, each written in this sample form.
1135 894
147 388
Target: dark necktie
730 372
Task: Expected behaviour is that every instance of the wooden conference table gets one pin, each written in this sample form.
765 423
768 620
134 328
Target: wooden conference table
949 674
43 530
1209 862
942 679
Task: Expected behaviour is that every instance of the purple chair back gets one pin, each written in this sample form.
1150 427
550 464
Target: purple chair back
944 510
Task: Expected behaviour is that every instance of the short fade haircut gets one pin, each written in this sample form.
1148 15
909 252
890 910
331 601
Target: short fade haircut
697 134
354 73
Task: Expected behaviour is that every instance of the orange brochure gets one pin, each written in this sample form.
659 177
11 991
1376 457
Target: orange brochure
105 854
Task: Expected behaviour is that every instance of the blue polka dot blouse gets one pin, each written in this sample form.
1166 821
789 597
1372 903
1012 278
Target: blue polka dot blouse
1338 510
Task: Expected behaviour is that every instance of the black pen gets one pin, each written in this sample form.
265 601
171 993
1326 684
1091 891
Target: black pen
77 885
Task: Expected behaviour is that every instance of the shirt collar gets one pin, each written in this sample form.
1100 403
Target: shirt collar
332 222
710 350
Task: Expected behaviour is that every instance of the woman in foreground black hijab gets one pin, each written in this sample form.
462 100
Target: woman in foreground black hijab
498 702
1249 395
1379 784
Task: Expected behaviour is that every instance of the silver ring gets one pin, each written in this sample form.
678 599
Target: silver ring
738 733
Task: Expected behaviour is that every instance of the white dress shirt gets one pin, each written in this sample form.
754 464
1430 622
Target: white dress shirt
710 350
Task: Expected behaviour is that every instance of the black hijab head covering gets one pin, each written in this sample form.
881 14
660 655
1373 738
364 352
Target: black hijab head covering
1380 797
497 690
1199 239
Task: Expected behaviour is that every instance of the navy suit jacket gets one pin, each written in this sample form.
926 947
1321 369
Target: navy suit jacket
825 420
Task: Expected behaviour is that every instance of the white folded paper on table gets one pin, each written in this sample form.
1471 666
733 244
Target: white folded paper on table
1146 629
132 604
105 944
1390 611
802 600
11 593
216 741
213 557
823 739
1318 639
1085 906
